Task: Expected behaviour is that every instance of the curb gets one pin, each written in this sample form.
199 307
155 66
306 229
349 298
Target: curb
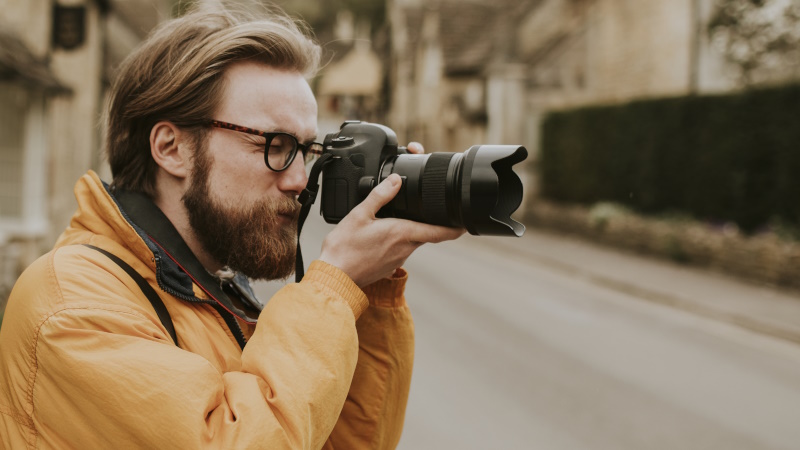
677 302
765 259
701 247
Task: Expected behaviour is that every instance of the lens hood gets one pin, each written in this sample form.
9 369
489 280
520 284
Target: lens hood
490 190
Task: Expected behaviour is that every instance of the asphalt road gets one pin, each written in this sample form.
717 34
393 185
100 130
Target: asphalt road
513 353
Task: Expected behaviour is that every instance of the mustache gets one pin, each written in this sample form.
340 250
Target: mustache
268 210
287 206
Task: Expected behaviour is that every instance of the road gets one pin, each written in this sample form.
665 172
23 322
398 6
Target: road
515 353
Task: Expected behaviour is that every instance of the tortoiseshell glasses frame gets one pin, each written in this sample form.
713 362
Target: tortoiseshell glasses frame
279 149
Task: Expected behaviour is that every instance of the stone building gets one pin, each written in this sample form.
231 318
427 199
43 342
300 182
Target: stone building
588 52
479 71
349 84
57 58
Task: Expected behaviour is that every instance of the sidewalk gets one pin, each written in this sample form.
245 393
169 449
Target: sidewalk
763 309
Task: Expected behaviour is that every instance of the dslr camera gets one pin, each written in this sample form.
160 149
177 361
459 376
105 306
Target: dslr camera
476 189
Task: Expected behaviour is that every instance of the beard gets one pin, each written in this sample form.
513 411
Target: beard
252 239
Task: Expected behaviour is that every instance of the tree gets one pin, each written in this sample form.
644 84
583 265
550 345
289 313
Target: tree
760 37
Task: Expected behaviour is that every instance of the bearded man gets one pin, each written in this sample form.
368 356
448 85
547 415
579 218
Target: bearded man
139 329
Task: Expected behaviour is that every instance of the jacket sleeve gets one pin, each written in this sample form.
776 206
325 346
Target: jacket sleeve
106 376
373 414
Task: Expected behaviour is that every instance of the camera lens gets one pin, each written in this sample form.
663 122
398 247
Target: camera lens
476 189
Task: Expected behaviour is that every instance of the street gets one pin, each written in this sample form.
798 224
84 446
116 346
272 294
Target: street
513 352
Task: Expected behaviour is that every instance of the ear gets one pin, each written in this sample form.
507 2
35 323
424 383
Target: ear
168 146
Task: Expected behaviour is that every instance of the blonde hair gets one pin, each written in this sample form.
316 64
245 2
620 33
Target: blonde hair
177 76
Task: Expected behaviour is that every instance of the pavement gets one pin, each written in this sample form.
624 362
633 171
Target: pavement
767 310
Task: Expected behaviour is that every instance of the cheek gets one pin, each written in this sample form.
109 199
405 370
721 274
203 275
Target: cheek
240 174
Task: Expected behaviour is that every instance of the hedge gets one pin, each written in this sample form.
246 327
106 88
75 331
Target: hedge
719 158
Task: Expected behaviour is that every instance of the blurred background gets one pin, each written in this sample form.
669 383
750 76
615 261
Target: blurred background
653 301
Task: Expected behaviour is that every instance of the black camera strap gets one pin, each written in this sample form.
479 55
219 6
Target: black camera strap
147 290
306 199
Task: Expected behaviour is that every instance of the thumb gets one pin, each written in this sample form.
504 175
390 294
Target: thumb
382 194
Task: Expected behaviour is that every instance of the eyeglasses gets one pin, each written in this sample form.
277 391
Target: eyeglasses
280 148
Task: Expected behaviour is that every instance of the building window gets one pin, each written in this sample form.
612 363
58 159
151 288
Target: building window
13 111
22 161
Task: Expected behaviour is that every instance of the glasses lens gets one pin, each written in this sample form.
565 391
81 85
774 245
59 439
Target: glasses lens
311 152
281 151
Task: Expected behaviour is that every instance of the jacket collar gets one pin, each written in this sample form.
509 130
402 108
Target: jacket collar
177 268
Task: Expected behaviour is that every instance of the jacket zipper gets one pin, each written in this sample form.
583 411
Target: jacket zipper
229 318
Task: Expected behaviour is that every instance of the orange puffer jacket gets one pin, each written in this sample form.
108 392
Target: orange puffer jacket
86 363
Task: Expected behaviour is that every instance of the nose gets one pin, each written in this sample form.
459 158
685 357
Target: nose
294 179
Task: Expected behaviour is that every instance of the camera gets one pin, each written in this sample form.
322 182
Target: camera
476 189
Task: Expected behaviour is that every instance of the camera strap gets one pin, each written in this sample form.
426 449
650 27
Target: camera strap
306 199
147 290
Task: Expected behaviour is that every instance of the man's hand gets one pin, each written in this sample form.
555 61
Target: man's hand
367 248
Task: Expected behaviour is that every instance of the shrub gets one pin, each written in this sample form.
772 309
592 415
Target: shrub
719 158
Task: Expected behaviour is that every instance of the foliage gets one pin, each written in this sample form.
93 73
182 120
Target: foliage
758 36
718 158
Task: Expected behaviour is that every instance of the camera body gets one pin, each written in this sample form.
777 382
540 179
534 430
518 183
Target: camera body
360 150
476 189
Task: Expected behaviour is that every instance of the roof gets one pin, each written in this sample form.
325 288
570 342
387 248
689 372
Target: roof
359 72
472 33
333 51
467 33
18 64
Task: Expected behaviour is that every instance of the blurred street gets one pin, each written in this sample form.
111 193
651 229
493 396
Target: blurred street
546 342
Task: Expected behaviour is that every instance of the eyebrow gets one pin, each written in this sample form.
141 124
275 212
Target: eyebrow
296 135
306 141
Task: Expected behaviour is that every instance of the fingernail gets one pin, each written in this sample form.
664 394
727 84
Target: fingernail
394 179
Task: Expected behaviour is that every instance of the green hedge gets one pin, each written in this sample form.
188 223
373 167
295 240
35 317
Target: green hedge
720 158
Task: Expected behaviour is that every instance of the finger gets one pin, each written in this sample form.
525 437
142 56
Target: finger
421 233
381 195
416 148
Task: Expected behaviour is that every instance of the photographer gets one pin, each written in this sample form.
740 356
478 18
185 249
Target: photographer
200 201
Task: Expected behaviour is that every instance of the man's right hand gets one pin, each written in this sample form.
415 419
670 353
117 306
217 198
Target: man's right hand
367 248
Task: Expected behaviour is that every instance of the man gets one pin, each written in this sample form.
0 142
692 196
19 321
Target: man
200 198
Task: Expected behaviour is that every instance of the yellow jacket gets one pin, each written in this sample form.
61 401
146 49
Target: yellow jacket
86 363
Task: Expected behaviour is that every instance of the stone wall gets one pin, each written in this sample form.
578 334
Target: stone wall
607 51
596 52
